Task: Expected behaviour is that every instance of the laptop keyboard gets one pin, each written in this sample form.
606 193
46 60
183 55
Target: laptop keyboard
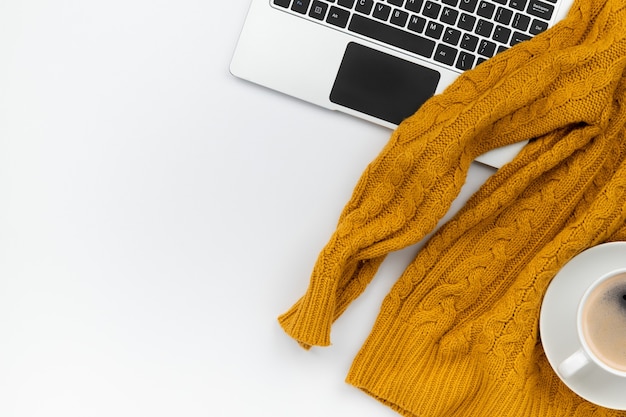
459 34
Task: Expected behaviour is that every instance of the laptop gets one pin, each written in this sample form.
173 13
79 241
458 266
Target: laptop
380 60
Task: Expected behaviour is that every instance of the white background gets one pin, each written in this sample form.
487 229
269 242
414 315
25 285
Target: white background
158 214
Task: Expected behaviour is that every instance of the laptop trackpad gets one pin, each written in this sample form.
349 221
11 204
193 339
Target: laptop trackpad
382 85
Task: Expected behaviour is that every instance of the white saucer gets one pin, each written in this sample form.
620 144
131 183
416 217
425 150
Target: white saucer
557 322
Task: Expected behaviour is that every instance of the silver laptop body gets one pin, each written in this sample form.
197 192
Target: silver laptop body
381 59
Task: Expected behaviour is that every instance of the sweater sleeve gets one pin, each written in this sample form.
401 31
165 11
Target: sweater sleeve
408 188
385 214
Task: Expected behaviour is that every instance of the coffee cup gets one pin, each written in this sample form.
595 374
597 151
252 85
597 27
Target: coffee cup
583 324
601 328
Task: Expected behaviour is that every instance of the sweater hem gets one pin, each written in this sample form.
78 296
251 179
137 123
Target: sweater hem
401 366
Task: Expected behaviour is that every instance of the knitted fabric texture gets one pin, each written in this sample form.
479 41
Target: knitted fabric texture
458 333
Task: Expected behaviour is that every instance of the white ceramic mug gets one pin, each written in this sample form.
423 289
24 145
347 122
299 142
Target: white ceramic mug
601 328
583 324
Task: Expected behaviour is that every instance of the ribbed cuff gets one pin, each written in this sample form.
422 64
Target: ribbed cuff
309 320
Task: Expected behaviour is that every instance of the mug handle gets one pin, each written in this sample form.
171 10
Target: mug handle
574 363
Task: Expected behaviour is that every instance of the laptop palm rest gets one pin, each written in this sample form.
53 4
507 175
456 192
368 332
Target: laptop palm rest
382 85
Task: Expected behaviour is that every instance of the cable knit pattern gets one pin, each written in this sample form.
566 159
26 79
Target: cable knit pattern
458 333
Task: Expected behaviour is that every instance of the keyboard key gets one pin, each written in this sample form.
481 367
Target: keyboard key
480 61
501 49
414 5
518 37
469 42
445 54
318 10
381 11
518 4
465 61
434 30
486 9
449 16
399 17
396 2
501 34
538 26
451 36
431 10
282 3
540 9
466 22
338 17
364 6
388 34
487 48
521 21
452 3
504 16
501 1
468 5
300 6
484 28
346 3
417 24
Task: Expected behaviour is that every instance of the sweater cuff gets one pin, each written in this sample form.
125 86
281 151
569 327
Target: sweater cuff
309 320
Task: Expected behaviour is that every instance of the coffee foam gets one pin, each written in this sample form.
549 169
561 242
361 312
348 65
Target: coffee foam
603 321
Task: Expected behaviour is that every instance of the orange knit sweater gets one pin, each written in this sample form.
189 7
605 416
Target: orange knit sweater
458 333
